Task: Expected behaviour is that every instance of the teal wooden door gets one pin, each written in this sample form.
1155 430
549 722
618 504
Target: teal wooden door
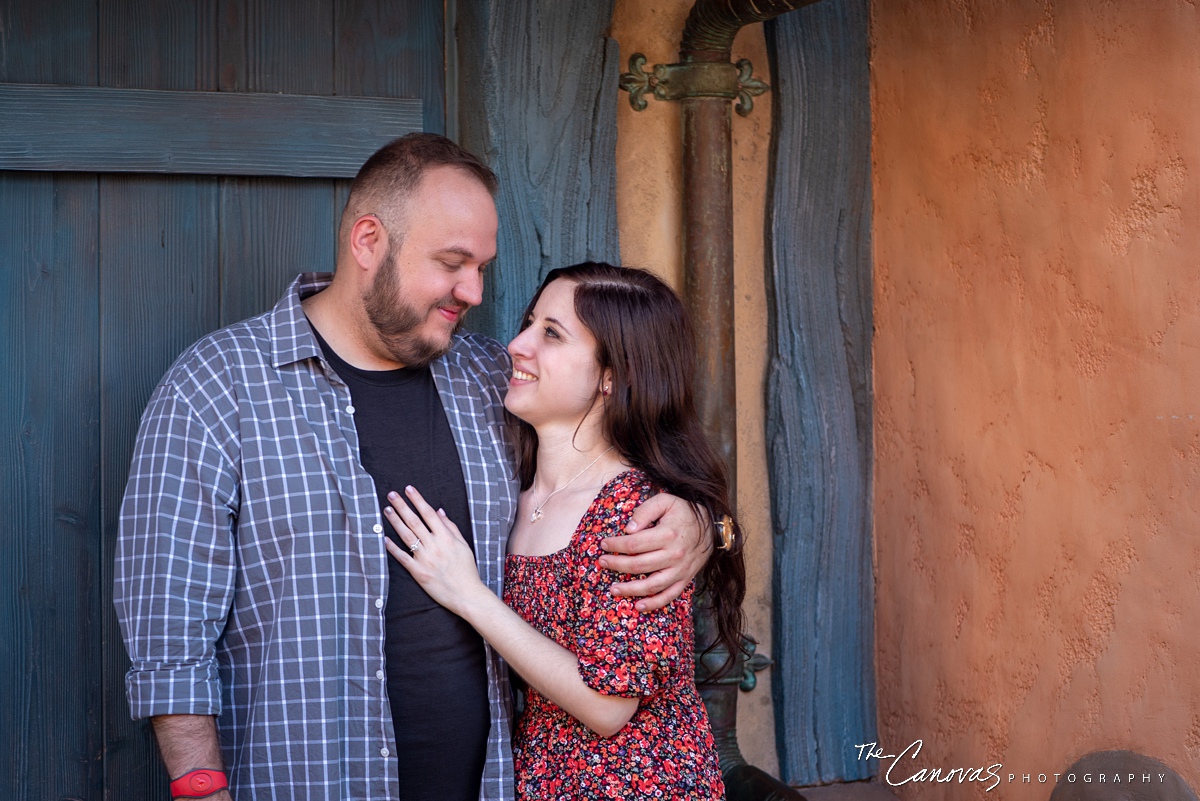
122 240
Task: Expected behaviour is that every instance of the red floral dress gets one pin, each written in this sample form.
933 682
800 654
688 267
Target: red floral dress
666 750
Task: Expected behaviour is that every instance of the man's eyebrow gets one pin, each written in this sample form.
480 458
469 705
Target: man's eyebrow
459 250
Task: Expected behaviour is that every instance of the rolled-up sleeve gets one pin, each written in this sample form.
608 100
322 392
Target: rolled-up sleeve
174 572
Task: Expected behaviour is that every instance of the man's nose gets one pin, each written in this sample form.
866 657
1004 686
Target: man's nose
469 289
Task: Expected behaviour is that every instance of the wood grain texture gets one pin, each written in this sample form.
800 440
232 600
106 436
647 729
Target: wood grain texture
50 550
268 46
394 49
208 133
50 41
271 230
158 294
165 44
50 698
104 280
341 195
819 391
538 101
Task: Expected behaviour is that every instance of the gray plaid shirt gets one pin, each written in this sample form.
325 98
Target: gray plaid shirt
250 568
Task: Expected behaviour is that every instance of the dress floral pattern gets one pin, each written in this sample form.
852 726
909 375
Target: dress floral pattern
666 750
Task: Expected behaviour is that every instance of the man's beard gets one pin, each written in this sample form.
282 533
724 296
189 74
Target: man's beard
396 321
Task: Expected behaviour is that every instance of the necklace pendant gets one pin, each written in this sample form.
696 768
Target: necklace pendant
536 516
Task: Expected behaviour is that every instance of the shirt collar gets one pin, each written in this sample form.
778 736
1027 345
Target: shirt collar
292 338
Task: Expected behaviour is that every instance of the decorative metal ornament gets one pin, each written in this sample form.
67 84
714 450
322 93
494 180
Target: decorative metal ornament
636 82
691 79
749 88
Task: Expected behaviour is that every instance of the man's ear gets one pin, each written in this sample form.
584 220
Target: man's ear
368 242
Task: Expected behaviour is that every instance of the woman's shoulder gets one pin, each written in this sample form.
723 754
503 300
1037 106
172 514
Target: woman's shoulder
631 487
617 500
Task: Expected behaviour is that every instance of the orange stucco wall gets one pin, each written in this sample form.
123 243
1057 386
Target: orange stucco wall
1037 380
649 212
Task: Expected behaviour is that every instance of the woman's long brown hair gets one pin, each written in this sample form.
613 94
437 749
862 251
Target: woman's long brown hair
644 338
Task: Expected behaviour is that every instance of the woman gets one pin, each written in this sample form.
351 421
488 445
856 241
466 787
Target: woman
602 387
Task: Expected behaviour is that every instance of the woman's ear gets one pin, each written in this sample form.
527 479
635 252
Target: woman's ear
606 383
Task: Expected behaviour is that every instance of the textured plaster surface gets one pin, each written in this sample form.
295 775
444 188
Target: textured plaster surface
1037 374
649 213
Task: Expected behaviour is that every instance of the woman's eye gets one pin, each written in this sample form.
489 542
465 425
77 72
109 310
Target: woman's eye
550 332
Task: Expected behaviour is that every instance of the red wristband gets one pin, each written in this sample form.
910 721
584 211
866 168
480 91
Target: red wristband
199 783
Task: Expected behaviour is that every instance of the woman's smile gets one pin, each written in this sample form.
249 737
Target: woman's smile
521 375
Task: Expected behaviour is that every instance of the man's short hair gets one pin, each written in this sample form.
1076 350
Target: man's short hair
390 176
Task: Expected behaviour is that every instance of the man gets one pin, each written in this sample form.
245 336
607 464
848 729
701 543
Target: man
268 630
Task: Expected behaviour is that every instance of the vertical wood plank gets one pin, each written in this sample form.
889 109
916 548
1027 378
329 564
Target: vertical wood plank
389 50
50 703
341 194
166 44
450 58
272 229
394 49
50 550
538 101
819 391
48 42
268 46
159 292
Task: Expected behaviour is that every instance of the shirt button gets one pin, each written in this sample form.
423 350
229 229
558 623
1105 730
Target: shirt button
378 603
349 410
379 675
378 529
384 752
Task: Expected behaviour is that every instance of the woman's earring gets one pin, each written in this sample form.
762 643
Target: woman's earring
607 390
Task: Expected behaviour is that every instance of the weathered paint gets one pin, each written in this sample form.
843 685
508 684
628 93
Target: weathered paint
105 279
50 660
1037 372
537 99
50 550
819 391
99 129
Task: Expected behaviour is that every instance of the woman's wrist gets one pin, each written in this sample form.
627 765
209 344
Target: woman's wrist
474 601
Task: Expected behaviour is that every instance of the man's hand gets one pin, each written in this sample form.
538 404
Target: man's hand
671 545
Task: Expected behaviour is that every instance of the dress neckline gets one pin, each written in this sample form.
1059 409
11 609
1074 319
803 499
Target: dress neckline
603 493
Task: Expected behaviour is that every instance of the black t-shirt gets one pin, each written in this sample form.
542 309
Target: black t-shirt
436 669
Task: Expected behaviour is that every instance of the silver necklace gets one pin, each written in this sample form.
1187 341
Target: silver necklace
537 510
